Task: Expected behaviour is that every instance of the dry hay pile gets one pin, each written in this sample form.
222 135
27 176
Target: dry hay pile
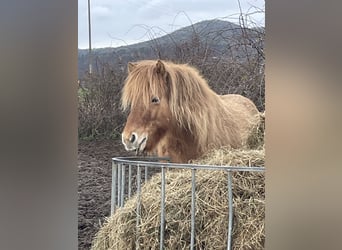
257 136
119 232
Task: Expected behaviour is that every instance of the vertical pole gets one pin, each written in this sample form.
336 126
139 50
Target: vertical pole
119 183
114 177
146 171
230 211
89 25
122 185
193 207
162 209
137 245
129 181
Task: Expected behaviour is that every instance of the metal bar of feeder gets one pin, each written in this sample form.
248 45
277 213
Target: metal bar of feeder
119 183
162 208
193 207
146 171
230 211
137 245
132 160
129 180
114 179
122 185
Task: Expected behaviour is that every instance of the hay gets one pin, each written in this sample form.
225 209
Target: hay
256 138
248 195
119 232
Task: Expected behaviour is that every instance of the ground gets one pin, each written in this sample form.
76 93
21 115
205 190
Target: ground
94 186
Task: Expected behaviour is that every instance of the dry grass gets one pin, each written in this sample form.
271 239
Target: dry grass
257 136
211 202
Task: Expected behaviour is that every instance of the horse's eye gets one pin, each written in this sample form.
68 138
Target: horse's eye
155 100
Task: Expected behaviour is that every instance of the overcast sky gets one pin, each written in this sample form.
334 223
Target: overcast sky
119 22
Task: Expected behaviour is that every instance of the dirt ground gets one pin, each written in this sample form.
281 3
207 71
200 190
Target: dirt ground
94 186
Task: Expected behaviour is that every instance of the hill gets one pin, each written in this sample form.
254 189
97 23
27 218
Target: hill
211 38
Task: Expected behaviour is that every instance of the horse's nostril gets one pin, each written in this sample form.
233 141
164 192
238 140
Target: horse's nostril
132 139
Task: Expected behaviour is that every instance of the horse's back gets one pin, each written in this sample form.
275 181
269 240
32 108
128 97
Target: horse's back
244 111
240 103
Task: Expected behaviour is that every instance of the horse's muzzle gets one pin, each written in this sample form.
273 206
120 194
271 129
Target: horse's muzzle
134 142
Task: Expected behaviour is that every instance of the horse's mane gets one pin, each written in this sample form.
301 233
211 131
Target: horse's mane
195 106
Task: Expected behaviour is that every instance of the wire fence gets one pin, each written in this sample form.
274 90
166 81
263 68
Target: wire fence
123 188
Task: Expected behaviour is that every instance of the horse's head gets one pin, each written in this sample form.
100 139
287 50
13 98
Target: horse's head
145 93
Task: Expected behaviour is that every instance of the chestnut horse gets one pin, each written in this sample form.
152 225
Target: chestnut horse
174 113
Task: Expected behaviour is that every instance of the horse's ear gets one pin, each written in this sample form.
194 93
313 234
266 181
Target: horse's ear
160 67
131 66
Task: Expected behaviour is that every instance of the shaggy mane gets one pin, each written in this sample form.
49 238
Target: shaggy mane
193 104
